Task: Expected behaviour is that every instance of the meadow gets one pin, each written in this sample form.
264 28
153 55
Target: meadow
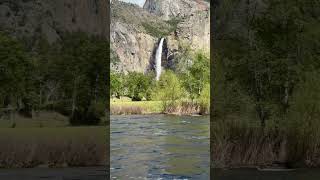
51 142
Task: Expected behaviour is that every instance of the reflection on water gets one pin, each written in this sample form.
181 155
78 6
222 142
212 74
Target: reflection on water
253 174
159 146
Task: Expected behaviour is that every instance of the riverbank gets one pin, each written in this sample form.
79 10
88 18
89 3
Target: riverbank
135 107
250 174
79 173
153 107
53 147
48 140
238 143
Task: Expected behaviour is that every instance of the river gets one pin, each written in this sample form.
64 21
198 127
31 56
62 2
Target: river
159 147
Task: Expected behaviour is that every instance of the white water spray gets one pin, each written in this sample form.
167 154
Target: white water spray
158 59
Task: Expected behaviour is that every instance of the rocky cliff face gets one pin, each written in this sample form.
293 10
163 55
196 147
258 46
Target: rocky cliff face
31 18
129 40
168 9
135 31
194 27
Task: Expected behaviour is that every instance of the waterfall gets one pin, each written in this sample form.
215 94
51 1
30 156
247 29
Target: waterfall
158 59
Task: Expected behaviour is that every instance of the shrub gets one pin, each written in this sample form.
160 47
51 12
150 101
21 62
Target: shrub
155 30
96 111
138 85
169 90
204 99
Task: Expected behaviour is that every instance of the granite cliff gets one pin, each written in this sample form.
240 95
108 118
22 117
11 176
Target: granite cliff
32 18
135 32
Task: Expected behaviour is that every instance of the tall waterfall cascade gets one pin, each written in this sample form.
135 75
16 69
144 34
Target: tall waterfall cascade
158 59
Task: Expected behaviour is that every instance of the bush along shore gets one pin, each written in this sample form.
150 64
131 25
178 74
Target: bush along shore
182 89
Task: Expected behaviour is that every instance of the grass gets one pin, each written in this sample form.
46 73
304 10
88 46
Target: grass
241 142
48 140
236 145
41 119
127 107
135 107
182 108
53 147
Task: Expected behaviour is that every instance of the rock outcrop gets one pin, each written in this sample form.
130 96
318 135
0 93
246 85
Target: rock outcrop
168 9
195 15
130 42
32 18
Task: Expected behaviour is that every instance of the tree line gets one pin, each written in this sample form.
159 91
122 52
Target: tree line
187 81
69 76
266 56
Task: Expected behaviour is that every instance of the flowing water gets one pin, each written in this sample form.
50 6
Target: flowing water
160 147
158 59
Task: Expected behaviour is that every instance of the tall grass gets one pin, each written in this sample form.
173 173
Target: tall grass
181 107
39 119
291 137
53 147
135 107
155 107
241 143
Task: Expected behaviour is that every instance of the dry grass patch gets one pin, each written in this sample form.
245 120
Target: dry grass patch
53 147
135 107
239 143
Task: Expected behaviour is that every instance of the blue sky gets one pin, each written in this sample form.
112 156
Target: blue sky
139 2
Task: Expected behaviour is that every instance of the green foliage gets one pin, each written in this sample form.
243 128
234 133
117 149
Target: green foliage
170 86
69 76
173 22
183 59
160 31
269 51
204 99
83 66
267 56
196 75
138 85
169 89
15 76
116 84
156 31
304 111
228 96
187 86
